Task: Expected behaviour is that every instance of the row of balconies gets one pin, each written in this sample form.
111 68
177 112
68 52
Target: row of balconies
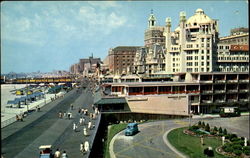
226 81
224 91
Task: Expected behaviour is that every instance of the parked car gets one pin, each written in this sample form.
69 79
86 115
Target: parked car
131 129
229 111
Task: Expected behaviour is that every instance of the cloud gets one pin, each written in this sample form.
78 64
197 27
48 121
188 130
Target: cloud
60 21
104 4
97 21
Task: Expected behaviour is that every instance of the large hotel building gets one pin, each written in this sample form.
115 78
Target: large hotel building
198 70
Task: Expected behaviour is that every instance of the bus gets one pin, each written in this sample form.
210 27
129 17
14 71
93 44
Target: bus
229 111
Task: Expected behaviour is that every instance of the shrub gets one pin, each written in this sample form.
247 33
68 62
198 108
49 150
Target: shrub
220 130
232 136
234 139
213 133
241 142
207 128
246 150
237 146
208 152
227 147
193 128
225 131
237 152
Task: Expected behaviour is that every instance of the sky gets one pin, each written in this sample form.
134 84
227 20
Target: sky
52 35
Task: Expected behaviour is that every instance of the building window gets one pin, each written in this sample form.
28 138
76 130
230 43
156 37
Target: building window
202 51
202 69
196 69
207 57
173 59
207 63
202 57
196 63
196 57
202 63
202 39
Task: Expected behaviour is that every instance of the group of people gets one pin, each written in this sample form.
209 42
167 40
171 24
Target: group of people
65 115
84 147
58 154
19 117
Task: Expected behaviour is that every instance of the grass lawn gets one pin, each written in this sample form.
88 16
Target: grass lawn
191 145
112 131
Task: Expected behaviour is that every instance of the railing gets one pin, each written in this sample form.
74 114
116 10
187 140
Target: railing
148 93
219 101
207 101
219 81
232 100
232 91
219 91
232 81
207 91
243 81
243 90
244 100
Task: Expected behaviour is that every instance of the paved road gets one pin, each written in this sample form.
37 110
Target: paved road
22 139
149 142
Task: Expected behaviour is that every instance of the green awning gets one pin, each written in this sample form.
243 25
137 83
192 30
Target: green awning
104 101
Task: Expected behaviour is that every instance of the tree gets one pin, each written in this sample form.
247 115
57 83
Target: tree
215 129
199 124
225 131
203 124
207 128
220 130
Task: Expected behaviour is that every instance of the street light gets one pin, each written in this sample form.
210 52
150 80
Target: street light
190 114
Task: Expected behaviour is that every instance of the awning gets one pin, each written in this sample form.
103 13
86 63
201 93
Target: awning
11 102
111 101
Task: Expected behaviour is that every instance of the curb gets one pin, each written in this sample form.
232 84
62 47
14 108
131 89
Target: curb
111 145
170 146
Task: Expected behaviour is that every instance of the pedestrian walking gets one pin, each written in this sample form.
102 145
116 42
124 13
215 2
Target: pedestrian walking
71 106
64 114
69 115
85 133
89 125
81 147
64 154
57 154
86 146
74 127
81 120
79 111
93 107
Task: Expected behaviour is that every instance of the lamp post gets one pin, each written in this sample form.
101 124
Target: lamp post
44 94
190 117
27 96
